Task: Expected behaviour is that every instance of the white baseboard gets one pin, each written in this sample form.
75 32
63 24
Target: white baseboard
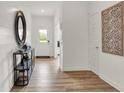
74 68
112 83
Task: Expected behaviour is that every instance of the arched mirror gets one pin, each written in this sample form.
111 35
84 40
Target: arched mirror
20 28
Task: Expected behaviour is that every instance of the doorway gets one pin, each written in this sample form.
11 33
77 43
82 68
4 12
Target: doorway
94 43
46 38
42 36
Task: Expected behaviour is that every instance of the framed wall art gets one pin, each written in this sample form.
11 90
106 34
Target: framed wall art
113 29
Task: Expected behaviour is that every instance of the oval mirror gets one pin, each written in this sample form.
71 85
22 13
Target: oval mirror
20 28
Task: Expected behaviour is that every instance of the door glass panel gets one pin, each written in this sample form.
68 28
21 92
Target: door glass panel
43 36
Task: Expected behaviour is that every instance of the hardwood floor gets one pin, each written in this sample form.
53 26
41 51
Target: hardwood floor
47 77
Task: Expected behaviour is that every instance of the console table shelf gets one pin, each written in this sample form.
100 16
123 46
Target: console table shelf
23 69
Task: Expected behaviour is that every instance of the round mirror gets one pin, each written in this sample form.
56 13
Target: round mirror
20 28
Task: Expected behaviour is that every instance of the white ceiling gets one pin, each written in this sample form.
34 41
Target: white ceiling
50 8
35 7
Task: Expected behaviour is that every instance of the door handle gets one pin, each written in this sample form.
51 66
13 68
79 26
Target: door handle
97 47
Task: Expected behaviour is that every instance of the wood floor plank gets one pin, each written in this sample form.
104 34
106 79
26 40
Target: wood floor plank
47 77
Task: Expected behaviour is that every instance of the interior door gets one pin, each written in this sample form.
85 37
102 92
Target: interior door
94 42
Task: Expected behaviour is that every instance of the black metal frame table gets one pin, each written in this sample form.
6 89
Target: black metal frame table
22 67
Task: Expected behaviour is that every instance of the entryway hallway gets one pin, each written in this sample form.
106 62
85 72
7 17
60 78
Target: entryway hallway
47 77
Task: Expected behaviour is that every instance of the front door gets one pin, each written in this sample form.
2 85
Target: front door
42 35
44 42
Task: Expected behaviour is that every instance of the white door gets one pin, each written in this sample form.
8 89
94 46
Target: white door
42 35
94 37
44 42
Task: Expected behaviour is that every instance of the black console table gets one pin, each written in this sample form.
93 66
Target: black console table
23 69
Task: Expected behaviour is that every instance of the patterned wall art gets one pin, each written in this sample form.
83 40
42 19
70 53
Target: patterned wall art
113 29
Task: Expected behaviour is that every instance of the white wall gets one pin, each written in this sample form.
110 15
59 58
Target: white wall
75 36
57 31
56 34
43 22
7 42
109 67
58 37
